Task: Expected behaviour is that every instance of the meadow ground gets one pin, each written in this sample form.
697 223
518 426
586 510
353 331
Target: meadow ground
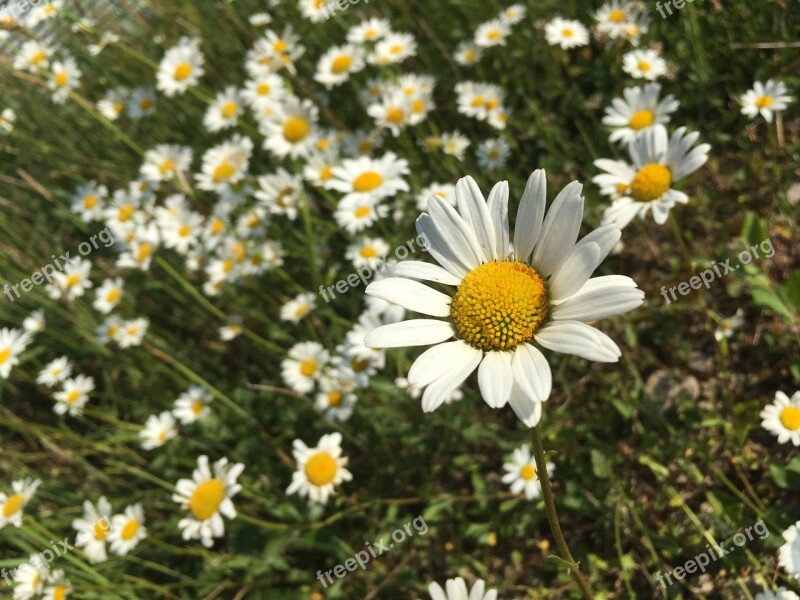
193 196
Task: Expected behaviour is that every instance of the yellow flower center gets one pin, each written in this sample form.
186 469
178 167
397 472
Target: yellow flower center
130 529
206 499
224 171
280 46
469 55
651 182
341 64
478 101
396 49
101 529
370 33
72 280
229 110
5 354
166 166
362 211
790 418
73 396
38 57
112 296
369 252
308 367
321 469
182 71
359 365
184 230
493 34
499 305
567 32
198 406
125 213
335 398
366 182
263 89
418 106
239 251
118 106
13 505
216 226
616 16
295 129
59 592
644 65
642 119
143 252
528 472
764 101
146 104
395 115
326 173
61 79
90 201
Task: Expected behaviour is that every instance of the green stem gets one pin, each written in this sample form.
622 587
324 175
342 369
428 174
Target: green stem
552 516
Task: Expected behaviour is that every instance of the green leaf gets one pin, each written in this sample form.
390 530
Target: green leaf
753 231
768 299
792 289
600 465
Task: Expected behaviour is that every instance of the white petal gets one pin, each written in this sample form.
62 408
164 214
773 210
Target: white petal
580 339
456 233
559 230
531 373
440 248
433 363
530 215
475 212
426 271
528 411
416 332
411 295
464 362
498 209
607 301
495 378
575 270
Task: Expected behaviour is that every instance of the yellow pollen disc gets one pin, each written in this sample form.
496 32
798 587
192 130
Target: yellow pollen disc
616 16
223 172
644 65
341 64
295 129
130 529
395 115
527 472
112 331
101 530
263 89
567 32
90 201
493 34
239 251
366 182
308 367
359 365
396 49
62 79
651 182
184 231
363 211
118 106
206 499
36 581
418 106
642 119
4 355
469 55
125 212
143 252
182 71
764 101
73 280
38 57
366 145
478 101
198 406
369 252
229 110
622 188
73 396
217 226
59 592
166 166
280 46
162 436
499 305
146 104
321 469
302 310
335 398
491 104
323 143
112 296
790 418
326 173
227 265
13 505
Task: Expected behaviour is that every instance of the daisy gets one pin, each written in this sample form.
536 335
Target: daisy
639 109
182 230
181 68
108 295
335 399
392 112
492 154
370 178
782 418
11 506
109 330
513 14
789 553
319 469
88 201
230 331
315 11
225 110
613 18
141 103
644 64
781 594
447 191
72 282
165 161
370 30
468 53
208 498
32 56
280 193
456 589
542 290
141 246
266 90
127 530
646 185
290 132
225 165
193 405
299 307
64 76
158 430
73 396
492 33
54 372
367 252
478 99
132 332
93 529
12 343
304 366
521 473
727 326
7 119
394 48
274 52
30 578
355 214
764 99
318 170
454 144
34 322
566 33
338 63
260 19
58 588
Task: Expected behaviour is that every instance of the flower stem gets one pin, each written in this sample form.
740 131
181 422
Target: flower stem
552 516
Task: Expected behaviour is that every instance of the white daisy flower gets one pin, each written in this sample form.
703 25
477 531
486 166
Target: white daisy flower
265 90
33 56
367 252
7 119
88 201
132 332
29 579
225 110
478 99
335 400
163 162
566 33
230 331
765 99
456 589
639 109
73 396
492 33
299 307
338 64
108 295
542 289
208 496
521 473
140 248
290 131
225 165
182 230
34 322
109 330
646 185
319 469
158 430
781 594
58 587
727 326
782 418
315 11
468 53
370 178
393 112
193 405
280 193
304 366
12 343
72 282
181 68
64 76
614 17
447 191
493 154
394 48
54 372
455 144
93 529
789 553
644 64
370 30
141 103
274 52
513 14
12 506
354 213
127 530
